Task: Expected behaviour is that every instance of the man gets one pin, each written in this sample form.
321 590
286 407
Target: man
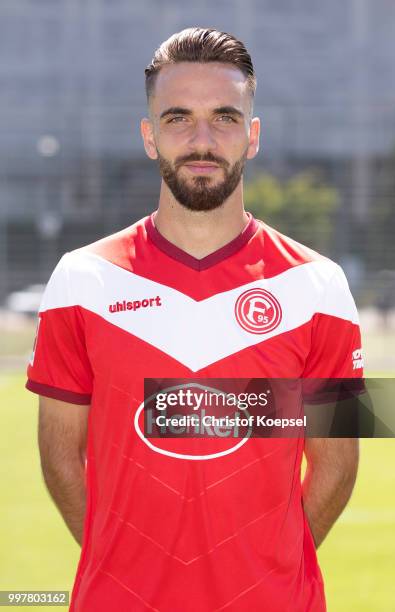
169 297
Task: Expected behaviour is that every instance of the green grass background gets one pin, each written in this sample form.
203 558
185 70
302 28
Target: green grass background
37 553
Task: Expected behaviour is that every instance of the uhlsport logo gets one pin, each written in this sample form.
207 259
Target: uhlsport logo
135 304
258 311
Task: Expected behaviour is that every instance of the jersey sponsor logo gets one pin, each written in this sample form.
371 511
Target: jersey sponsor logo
210 446
357 359
31 360
135 304
258 311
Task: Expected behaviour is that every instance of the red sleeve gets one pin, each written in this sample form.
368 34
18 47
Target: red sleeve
336 338
335 355
59 366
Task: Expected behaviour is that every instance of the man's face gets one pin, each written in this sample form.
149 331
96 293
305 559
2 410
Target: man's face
201 132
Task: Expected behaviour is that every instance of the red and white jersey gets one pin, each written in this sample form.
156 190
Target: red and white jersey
162 531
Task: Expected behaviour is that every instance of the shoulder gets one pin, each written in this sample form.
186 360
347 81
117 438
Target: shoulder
301 266
82 271
282 252
117 248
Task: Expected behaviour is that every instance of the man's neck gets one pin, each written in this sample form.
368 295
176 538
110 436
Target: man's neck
200 233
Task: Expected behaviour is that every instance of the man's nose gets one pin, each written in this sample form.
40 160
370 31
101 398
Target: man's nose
202 136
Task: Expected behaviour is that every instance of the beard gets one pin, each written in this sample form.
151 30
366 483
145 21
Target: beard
200 195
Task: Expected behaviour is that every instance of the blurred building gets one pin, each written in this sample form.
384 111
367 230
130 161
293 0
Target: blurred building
72 95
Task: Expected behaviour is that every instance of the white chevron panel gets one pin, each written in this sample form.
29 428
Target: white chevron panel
195 333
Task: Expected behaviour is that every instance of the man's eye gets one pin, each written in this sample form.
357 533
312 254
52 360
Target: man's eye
176 119
227 119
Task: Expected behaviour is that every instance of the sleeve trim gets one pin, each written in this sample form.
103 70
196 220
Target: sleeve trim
60 394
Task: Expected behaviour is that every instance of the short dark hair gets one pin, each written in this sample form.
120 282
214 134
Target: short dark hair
201 45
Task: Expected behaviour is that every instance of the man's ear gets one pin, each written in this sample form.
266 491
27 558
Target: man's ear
253 146
147 134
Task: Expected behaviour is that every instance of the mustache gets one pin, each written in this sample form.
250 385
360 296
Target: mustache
195 157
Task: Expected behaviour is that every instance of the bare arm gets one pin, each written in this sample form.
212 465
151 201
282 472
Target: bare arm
332 465
62 430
